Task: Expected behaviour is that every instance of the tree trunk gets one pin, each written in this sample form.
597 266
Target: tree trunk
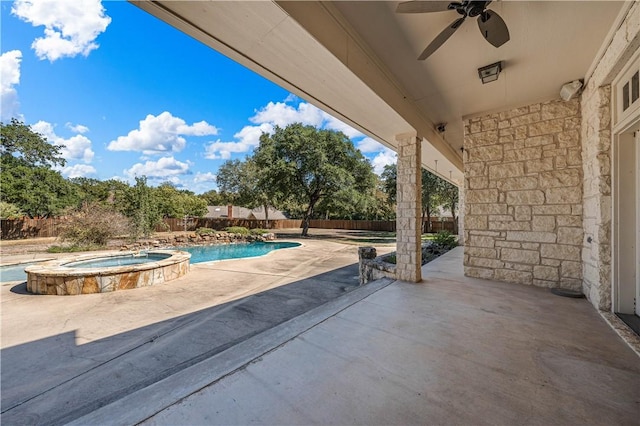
266 216
307 217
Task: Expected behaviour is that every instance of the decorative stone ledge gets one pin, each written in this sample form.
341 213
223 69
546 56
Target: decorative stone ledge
192 239
372 267
55 278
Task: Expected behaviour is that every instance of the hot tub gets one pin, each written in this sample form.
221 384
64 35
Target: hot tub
105 273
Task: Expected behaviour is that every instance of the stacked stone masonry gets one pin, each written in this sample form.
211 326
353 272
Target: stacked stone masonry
408 209
596 136
523 200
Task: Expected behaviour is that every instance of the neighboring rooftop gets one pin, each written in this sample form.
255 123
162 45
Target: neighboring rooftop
237 212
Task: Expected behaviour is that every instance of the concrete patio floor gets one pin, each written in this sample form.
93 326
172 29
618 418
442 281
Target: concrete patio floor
451 350
65 356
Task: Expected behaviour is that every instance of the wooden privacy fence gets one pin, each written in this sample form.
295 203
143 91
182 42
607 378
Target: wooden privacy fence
15 229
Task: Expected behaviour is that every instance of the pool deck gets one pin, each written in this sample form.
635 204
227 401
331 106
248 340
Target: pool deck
450 350
65 356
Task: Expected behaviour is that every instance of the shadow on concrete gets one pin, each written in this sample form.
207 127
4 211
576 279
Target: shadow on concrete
20 288
56 380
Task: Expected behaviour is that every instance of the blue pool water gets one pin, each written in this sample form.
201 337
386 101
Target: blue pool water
123 260
233 251
198 254
14 272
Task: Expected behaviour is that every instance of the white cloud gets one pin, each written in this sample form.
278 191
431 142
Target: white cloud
71 26
77 128
368 145
204 177
387 156
281 114
9 78
161 134
247 139
77 147
78 170
166 168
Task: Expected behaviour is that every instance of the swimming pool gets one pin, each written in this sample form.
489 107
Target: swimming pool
234 251
199 254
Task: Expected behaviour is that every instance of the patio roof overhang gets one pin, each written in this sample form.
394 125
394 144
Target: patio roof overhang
357 60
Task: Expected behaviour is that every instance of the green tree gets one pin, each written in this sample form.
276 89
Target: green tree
37 190
213 198
243 183
390 182
173 202
92 190
304 163
28 147
449 200
27 179
141 206
431 189
432 186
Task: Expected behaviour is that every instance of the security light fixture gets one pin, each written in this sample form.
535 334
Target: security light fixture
490 73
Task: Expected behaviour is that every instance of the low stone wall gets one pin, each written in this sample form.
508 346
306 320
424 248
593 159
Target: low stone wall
373 267
56 279
191 238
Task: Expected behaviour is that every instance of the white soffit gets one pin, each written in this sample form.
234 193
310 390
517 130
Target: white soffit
265 39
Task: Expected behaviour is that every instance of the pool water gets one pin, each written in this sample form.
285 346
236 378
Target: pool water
199 254
123 260
14 272
233 251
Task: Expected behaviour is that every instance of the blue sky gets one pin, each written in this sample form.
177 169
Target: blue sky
128 95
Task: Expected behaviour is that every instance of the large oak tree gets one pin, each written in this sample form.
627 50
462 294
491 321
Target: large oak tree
304 163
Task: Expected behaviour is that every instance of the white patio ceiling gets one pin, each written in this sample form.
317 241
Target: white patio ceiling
357 60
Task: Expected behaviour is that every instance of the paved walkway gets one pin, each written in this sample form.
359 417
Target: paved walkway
65 356
452 350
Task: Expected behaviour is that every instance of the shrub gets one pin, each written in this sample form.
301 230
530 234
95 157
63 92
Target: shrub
93 225
9 211
391 258
205 231
259 231
237 230
445 240
71 249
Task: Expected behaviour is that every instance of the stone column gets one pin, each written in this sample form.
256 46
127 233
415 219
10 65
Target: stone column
408 215
461 192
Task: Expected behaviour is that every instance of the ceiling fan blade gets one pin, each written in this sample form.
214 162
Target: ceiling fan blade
441 38
493 28
422 6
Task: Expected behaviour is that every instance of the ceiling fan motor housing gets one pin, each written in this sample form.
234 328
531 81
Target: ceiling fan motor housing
469 8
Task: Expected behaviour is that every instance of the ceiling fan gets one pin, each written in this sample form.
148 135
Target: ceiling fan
491 25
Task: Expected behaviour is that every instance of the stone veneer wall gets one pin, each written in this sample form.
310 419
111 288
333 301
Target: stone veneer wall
523 201
408 217
596 153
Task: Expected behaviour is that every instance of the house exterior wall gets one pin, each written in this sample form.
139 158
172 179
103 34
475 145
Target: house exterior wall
523 195
596 152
